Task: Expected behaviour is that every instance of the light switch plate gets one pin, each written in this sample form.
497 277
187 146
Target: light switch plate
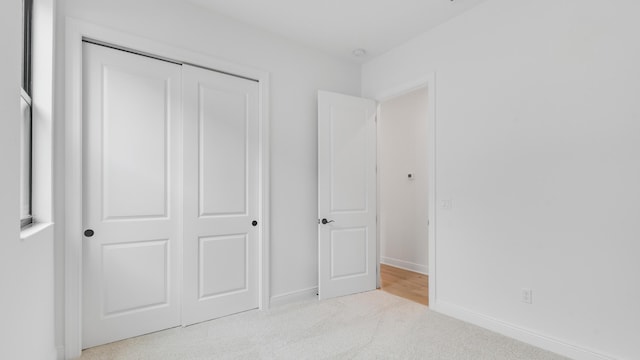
446 204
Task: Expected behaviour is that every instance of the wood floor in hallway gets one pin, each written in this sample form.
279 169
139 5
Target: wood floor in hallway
404 283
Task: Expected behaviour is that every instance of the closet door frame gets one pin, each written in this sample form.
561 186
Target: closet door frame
71 156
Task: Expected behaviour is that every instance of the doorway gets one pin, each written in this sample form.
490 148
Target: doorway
403 203
349 253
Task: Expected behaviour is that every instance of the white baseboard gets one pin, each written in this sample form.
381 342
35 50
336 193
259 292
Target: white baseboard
60 355
294 296
406 265
518 333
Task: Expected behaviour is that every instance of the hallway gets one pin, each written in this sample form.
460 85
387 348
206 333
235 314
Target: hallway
404 283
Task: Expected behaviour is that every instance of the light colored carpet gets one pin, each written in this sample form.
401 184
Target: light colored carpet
373 325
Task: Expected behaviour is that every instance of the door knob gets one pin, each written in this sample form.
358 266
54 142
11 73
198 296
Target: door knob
325 221
254 223
88 233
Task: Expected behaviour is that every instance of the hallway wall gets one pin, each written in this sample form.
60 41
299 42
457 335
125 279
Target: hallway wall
403 201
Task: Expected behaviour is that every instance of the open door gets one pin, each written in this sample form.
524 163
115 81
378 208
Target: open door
346 195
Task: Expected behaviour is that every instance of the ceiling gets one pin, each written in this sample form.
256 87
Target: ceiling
341 26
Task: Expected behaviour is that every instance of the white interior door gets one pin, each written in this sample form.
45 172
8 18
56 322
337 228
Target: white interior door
346 194
221 222
131 112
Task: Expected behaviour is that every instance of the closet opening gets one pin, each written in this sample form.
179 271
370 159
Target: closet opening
147 191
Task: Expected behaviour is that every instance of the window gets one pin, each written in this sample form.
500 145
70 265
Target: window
26 121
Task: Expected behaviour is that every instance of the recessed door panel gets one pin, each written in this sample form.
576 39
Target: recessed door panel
134 140
135 276
220 274
223 122
223 265
131 125
348 252
348 159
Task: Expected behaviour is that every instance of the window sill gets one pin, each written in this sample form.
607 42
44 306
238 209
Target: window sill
35 229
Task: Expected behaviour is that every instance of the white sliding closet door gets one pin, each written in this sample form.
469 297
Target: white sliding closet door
220 195
131 120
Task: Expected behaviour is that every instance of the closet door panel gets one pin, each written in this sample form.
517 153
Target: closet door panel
131 194
223 124
220 273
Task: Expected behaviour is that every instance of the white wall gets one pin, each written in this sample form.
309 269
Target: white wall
26 265
296 75
402 150
538 136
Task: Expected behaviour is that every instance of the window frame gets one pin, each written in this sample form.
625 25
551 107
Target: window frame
26 94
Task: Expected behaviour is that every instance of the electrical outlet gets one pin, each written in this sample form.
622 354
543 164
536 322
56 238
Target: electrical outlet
527 296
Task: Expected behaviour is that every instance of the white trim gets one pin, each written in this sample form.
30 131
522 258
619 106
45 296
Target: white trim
265 193
76 31
405 88
295 296
378 197
430 83
431 182
42 111
405 265
73 193
33 231
518 333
